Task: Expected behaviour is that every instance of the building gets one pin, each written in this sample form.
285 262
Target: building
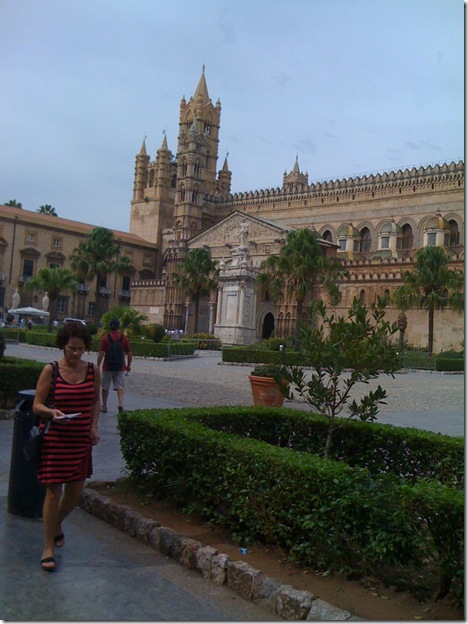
181 201
376 223
30 241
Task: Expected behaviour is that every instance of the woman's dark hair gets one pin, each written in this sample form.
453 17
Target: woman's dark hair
73 330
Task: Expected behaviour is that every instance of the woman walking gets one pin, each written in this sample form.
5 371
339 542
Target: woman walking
67 387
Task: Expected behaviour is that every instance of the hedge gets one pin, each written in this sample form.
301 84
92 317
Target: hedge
16 375
247 355
250 355
324 513
144 348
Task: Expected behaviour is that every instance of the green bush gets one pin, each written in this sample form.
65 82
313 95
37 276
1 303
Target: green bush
206 341
250 355
449 364
15 375
323 512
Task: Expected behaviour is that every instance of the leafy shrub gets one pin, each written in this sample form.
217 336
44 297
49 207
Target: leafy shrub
275 371
15 375
324 513
206 341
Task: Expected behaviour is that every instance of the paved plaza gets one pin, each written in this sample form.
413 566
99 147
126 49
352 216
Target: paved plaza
426 400
103 574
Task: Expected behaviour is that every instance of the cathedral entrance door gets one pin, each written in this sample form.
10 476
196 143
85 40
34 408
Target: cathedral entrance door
268 326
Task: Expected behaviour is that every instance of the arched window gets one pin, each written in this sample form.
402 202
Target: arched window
366 241
151 178
184 168
182 193
407 239
362 297
454 234
196 169
327 235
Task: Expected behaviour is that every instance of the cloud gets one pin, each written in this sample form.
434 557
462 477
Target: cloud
417 145
305 146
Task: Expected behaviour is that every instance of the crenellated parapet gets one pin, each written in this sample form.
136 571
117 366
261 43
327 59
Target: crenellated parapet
391 182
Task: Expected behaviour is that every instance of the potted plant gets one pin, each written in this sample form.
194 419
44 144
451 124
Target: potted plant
265 381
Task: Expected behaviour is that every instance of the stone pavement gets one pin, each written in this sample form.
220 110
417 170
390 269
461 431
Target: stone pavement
103 574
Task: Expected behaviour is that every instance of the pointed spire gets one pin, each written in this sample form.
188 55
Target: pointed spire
202 89
296 166
225 166
143 148
164 143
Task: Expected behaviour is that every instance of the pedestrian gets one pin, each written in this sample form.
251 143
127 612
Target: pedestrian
112 350
69 386
30 324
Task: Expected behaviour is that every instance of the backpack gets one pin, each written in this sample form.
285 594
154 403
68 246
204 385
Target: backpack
115 354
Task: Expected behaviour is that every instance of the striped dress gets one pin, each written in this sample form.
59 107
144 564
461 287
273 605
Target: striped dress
66 448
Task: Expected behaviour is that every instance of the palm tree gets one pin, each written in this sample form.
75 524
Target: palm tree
198 277
130 319
96 258
431 286
300 263
14 203
47 209
53 281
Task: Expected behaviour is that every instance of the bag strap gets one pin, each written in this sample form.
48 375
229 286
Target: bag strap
53 385
52 394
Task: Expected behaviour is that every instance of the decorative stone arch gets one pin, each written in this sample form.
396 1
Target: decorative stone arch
265 313
373 233
325 229
451 216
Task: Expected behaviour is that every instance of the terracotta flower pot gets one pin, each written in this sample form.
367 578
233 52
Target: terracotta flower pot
265 391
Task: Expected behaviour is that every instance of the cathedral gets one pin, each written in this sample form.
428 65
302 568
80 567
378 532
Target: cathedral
183 201
374 223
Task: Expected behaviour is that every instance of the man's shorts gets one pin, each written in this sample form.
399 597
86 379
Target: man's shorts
117 377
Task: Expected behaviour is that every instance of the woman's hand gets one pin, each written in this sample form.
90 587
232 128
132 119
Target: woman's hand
54 413
95 437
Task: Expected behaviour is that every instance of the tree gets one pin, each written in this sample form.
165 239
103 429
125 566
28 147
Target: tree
14 203
97 257
334 345
197 277
432 285
47 209
53 281
298 266
130 319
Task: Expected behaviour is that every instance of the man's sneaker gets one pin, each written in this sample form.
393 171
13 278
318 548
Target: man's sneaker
120 408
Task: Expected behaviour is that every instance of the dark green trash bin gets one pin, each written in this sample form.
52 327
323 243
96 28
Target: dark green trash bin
25 493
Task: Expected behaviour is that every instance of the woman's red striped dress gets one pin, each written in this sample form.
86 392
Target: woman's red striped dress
66 448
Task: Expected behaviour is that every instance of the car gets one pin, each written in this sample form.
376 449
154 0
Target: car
74 320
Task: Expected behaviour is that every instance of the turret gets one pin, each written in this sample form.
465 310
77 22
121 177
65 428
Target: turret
141 167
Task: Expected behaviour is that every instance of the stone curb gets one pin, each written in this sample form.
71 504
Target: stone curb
249 583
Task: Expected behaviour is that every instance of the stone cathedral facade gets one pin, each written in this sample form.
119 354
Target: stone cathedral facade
375 223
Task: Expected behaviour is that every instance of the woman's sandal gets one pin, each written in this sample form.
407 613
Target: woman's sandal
48 560
59 541
104 409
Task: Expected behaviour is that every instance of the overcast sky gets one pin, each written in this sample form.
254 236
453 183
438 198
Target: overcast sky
349 86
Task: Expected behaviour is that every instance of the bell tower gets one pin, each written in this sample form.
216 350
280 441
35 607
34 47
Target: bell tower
197 156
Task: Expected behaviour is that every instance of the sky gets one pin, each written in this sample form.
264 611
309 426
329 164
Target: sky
346 86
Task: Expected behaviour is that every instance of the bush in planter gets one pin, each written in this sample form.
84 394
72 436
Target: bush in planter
275 371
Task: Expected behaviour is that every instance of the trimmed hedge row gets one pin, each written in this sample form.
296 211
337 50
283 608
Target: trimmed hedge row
407 453
325 513
144 348
248 355
16 375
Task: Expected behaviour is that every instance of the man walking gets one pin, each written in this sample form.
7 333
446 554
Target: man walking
112 349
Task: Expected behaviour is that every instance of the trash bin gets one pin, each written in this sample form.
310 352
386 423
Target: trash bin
25 493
